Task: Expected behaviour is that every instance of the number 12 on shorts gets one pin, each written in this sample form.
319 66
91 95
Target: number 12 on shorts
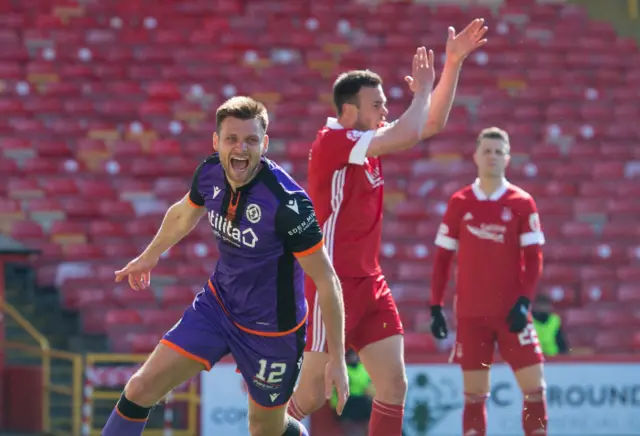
275 372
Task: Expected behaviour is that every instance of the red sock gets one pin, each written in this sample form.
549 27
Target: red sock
386 419
534 417
474 416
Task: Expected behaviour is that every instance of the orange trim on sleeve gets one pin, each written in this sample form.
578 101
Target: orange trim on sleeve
130 419
186 354
266 407
191 203
311 250
256 332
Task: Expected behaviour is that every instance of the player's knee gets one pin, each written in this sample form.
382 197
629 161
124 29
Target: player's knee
260 426
393 389
142 391
531 380
313 401
473 398
535 395
310 396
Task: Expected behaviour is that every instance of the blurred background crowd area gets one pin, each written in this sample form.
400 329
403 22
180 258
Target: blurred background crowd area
106 108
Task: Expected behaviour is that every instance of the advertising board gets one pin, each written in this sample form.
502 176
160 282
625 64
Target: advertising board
584 399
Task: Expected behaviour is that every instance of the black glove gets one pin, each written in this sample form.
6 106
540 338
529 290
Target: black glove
438 323
519 316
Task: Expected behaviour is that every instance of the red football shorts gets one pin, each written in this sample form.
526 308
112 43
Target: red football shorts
476 340
370 313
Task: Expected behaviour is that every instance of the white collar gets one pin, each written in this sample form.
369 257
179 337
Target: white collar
482 196
333 124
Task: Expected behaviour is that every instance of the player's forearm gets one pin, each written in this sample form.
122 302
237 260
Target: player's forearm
407 130
332 308
442 100
175 226
440 276
532 270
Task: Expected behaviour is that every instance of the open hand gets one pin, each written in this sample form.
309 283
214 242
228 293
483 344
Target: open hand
461 45
336 375
423 73
138 271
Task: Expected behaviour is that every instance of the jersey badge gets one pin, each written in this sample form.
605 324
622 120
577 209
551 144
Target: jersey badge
216 191
254 213
354 135
506 214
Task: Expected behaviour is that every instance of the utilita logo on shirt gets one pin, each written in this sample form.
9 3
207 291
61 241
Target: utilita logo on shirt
228 232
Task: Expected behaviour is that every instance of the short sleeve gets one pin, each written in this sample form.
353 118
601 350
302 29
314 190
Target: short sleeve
530 228
338 148
449 230
195 196
297 224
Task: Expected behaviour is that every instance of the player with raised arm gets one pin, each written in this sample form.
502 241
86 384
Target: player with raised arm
495 229
253 306
346 186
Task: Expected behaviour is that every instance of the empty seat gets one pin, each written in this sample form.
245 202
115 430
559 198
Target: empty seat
122 318
63 232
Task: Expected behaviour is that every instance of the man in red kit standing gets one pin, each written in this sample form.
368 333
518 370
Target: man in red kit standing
346 187
495 228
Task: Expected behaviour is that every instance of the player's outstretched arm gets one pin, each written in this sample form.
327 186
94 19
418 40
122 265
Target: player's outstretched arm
406 131
458 48
179 220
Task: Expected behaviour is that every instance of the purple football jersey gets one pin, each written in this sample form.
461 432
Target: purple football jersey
260 229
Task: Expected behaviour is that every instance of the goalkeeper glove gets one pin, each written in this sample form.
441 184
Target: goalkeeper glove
438 323
519 315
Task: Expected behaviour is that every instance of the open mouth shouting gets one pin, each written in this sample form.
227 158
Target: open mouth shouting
239 164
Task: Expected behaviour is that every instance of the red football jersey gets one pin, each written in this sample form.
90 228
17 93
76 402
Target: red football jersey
346 188
488 234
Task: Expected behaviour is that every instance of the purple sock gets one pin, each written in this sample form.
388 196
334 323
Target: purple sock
119 426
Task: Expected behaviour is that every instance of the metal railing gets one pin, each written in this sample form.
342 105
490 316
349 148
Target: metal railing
633 8
93 390
46 354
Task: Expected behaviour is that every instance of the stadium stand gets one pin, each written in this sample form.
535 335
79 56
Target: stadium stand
107 107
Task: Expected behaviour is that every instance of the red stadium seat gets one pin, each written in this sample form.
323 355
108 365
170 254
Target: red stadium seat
57 188
122 318
160 320
64 232
419 343
124 296
176 296
24 189
27 231
580 318
82 252
142 342
591 292
106 229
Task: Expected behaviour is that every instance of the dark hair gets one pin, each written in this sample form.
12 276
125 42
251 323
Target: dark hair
347 86
494 133
243 108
